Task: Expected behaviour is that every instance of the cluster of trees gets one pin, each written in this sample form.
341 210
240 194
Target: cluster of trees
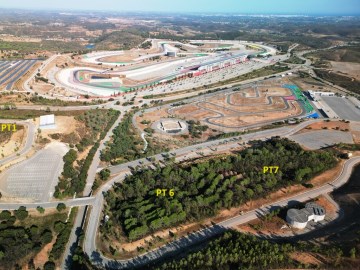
202 189
23 241
102 176
39 78
234 250
74 175
63 231
96 121
195 128
127 145
225 135
146 45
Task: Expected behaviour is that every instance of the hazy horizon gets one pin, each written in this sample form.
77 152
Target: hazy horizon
238 7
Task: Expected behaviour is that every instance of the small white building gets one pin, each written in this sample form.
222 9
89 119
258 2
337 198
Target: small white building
47 121
299 218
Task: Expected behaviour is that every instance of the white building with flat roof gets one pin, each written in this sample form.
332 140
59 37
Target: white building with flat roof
47 121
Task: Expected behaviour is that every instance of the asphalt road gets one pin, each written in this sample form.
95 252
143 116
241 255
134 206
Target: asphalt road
226 144
72 243
70 203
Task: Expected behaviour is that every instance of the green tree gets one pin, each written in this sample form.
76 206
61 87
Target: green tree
353 253
104 174
49 265
21 213
5 214
40 209
61 207
46 236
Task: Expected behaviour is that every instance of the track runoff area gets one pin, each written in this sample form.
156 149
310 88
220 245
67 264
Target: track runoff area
168 64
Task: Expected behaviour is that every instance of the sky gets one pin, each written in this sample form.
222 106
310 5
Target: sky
318 7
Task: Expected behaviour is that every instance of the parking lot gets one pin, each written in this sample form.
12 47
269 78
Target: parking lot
343 107
11 71
322 138
36 177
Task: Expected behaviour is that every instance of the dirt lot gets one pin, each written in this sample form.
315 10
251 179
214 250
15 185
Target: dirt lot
241 102
68 130
17 99
239 109
347 68
277 104
311 84
305 258
42 87
325 125
253 119
12 141
275 91
354 128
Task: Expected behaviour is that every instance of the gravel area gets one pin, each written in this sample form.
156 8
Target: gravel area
322 138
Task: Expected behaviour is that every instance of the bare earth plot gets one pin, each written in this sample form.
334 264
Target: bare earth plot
322 138
355 128
36 177
348 68
241 109
343 107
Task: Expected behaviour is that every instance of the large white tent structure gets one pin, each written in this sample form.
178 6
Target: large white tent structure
47 121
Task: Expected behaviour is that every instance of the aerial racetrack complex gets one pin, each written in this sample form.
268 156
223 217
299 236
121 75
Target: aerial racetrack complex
235 109
116 72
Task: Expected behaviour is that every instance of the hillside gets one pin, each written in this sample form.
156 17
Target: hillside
120 40
346 54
